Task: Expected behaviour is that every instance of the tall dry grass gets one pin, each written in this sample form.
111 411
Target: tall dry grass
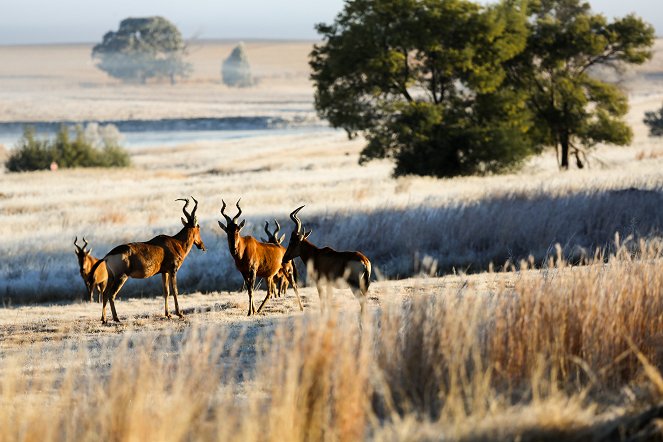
566 353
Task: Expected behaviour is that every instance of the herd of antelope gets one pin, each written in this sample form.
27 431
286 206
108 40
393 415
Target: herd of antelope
254 259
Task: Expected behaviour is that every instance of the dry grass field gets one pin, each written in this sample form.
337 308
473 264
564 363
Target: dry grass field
536 349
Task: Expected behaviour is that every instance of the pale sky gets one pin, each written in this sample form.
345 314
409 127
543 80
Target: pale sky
85 21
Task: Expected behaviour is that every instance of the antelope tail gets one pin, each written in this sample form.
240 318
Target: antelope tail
366 276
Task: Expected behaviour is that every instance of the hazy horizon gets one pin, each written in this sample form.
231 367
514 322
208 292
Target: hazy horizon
85 21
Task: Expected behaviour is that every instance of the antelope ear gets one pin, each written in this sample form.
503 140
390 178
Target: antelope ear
242 224
183 222
88 252
282 238
222 226
308 233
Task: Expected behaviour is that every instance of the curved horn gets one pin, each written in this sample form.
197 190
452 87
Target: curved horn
85 245
195 207
238 208
186 204
269 235
228 220
278 227
295 218
76 243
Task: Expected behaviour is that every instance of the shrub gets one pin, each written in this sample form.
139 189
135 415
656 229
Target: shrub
654 119
93 147
236 71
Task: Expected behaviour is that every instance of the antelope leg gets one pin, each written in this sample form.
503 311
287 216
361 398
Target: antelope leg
293 283
166 292
173 281
250 281
111 298
270 287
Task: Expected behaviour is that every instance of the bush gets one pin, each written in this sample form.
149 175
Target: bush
654 119
236 71
95 147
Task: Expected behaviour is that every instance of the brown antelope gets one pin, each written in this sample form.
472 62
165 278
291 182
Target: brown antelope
162 254
85 263
288 273
253 258
327 267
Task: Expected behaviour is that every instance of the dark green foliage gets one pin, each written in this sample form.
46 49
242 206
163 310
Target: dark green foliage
236 71
143 48
30 153
573 110
423 81
448 87
654 119
33 153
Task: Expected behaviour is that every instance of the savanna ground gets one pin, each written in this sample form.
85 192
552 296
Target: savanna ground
545 353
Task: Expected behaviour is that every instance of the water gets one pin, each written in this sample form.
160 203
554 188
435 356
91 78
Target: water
160 139
173 132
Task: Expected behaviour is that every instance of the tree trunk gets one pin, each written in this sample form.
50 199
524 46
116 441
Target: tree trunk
564 141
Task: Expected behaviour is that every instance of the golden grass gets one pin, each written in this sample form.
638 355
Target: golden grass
573 353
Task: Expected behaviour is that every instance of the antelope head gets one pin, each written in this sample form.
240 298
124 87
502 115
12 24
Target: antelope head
190 221
231 228
296 238
273 237
83 257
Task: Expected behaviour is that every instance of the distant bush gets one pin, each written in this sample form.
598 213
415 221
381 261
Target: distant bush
96 146
654 119
236 71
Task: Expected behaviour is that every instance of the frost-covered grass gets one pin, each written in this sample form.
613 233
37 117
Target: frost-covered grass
405 226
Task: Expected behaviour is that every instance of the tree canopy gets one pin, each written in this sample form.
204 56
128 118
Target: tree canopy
450 87
143 48
574 110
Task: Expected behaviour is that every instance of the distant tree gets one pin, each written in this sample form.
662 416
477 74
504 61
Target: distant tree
143 48
654 119
236 71
573 109
423 81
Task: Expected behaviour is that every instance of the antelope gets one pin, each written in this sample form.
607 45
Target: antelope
85 262
253 258
327 267
162 254
288 272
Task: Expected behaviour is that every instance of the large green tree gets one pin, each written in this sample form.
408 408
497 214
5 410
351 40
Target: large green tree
423 81
143 48
574 110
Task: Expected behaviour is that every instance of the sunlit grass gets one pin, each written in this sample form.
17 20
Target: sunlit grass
570 352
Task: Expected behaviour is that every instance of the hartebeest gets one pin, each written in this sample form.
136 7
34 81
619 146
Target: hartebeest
162 254
85 263
327 267
288 273
253 258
